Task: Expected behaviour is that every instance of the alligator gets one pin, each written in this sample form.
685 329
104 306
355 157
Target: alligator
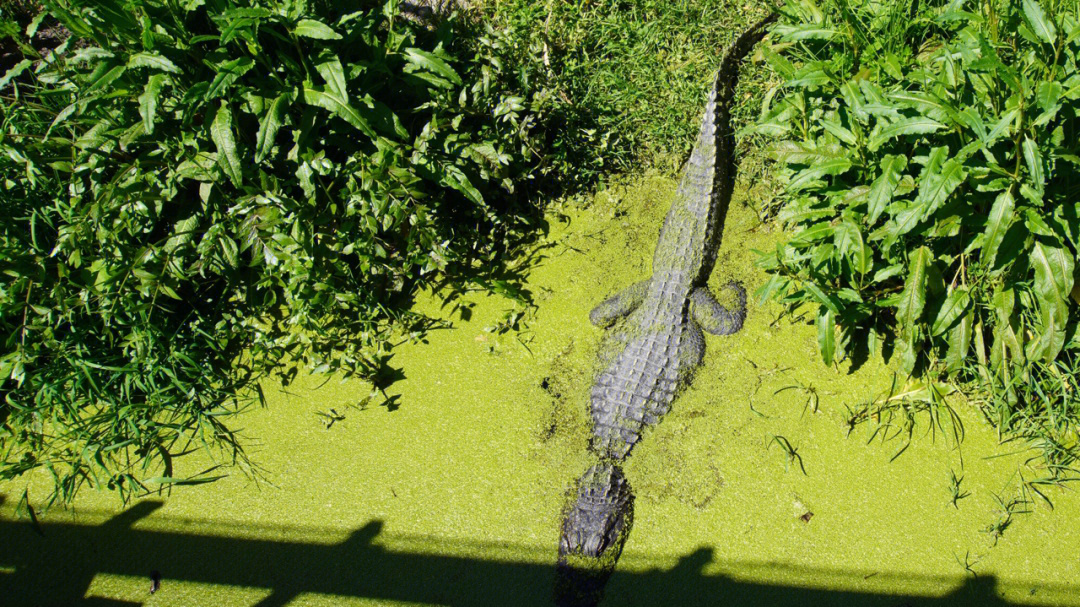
663 319
666 313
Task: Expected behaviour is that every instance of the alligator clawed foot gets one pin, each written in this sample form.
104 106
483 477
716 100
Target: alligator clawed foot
713 317
619 305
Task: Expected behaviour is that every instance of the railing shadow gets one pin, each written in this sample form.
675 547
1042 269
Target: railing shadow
57 569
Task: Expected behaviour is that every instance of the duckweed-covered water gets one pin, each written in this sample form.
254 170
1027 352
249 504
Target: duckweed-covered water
453 495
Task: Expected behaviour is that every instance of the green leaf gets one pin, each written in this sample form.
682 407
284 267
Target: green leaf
1001 127
837 130
955 304
233 29
887 272
153 61
329 101
1048 95
230 251
775 286
826 330
304 175
1053 283
1067 218
833 166
809 75
1001 217
103 77
61 116
1037 21
819 295
331 71
432 63
148 101
795 152
14 72
848 239
919 125
778 62
1033 160
914 297
905 221
809 235
912 301
1004 303
199 168
221 131
310 28
247 13
959 343
226 75
1034 222
169 480
937 184
269 126
457 180
881 191
803 31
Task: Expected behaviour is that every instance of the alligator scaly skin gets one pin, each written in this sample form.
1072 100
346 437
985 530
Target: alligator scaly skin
667 312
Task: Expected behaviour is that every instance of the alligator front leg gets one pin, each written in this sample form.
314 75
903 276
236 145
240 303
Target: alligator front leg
619 304
715 318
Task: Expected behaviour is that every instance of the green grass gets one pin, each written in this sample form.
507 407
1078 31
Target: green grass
633 74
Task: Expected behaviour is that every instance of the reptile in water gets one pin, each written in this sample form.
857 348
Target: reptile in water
666 313
662 343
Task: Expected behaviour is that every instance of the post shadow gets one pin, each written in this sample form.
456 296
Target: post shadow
57 569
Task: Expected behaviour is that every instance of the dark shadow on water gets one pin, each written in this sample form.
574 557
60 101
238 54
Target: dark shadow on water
860 353
57 569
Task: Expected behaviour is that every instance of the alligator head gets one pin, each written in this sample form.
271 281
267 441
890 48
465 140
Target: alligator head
599 517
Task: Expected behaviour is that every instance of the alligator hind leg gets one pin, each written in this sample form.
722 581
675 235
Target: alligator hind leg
715 318
619 304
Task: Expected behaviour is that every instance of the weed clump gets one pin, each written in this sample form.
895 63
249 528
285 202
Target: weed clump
930 156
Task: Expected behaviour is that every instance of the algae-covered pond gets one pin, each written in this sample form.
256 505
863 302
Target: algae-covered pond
453 495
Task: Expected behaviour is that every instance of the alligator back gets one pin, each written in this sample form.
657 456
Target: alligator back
638 387
663 342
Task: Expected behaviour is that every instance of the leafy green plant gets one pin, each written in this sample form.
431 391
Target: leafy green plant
954 488
197 193
930 154
791 452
